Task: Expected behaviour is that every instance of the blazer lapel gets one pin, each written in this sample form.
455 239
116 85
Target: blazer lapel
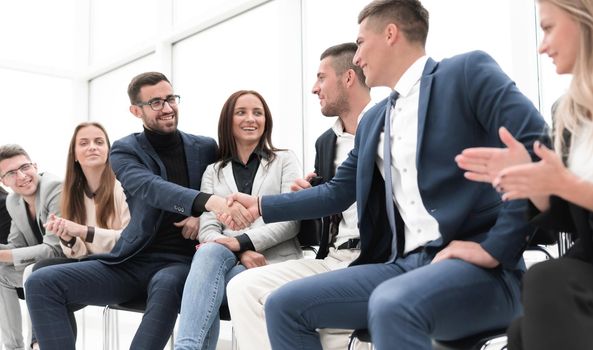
24 220
368 151
147 147
40 216
260 176
192 156
425 86
229 178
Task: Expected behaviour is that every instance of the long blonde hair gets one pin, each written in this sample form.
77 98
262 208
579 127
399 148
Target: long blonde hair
576 107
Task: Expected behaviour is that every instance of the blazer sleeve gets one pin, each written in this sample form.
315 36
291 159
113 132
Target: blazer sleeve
497 102
210 227
50 203
326 199
144 185
269 235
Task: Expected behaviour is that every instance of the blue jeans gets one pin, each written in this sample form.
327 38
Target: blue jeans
403 304
158 277
212 267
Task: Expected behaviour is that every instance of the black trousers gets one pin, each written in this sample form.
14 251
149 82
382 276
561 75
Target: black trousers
558 307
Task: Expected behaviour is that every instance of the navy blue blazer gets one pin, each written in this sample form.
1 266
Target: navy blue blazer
464 100
149 195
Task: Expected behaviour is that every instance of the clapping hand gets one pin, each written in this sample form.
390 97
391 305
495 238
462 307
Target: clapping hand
483 164
65 229
533 180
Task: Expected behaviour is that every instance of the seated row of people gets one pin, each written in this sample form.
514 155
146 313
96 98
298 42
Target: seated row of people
247 162
94 210
440 256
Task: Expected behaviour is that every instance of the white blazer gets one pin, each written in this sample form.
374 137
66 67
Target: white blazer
276 241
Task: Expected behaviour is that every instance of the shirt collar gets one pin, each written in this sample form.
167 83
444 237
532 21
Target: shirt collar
338 127
411 76
257 153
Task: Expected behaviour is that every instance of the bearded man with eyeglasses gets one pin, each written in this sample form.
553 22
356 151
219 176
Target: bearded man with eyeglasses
34 196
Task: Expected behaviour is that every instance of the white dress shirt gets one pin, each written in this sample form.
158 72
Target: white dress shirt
348 227
420 226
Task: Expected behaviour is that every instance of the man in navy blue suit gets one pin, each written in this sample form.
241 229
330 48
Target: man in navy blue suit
440 256
160 170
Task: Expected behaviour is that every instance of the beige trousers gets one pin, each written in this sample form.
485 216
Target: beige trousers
247 292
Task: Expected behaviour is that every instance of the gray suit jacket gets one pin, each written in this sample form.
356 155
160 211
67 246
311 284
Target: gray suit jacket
25 248
277 242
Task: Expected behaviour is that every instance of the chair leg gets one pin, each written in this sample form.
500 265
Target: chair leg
115 325
106 327
233 340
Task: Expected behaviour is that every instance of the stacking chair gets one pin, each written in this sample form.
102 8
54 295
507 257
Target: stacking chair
110 331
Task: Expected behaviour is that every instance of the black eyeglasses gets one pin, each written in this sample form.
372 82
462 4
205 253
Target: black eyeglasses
157 104
10 176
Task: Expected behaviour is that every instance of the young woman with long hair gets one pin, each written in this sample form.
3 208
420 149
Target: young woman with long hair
93 206
248 163
557 293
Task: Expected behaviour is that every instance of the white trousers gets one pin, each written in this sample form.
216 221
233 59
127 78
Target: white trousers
247 293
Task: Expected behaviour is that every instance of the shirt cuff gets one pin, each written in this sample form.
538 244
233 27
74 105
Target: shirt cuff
90 234
69 243
199 205
244 243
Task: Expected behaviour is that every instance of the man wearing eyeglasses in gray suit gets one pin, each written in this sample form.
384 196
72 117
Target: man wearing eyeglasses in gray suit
34 197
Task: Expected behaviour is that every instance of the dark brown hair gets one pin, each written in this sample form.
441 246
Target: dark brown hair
226 141
12 150
72 202
409 16
148 78
343 55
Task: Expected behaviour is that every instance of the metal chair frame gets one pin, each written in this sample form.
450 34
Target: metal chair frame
110 323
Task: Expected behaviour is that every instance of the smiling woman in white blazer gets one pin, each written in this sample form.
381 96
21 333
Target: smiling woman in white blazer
248 163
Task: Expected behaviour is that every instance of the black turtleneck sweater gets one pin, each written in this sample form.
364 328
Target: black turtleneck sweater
168 239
